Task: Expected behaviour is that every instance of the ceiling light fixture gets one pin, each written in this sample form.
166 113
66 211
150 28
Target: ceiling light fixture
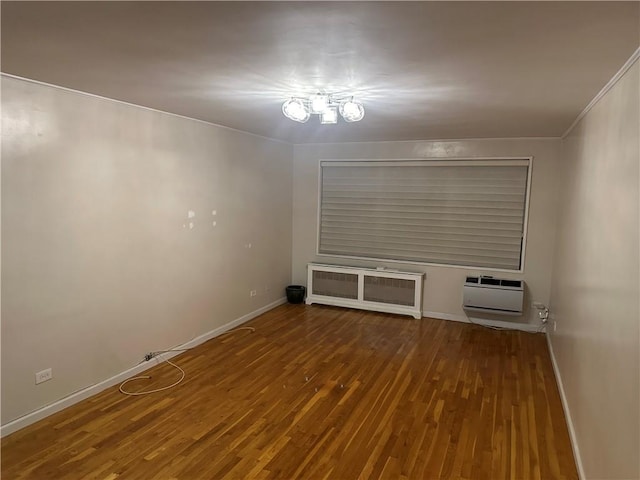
327 106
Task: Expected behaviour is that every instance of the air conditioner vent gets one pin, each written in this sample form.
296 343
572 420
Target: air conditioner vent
494 282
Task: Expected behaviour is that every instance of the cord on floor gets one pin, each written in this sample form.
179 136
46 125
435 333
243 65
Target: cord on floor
492 327
146 377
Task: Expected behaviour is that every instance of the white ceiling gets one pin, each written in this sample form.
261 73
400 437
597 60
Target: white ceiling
424 70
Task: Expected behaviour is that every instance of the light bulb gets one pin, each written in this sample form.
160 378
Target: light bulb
295 110
352 111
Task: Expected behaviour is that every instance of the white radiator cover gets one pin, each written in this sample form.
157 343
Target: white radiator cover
493 295
381 290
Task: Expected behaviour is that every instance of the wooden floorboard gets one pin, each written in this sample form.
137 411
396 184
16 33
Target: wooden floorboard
320 392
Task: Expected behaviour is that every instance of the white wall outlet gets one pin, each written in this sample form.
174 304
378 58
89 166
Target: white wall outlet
554 325
44 375
253 293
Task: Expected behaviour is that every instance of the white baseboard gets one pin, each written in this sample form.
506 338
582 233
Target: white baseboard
228 326
567 413
525 327
87 392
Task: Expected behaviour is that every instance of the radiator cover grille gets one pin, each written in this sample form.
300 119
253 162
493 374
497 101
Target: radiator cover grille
334 284
395 291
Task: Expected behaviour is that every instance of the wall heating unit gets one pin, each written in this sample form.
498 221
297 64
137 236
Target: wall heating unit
376 289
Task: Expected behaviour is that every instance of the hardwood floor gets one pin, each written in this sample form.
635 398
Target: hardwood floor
320 392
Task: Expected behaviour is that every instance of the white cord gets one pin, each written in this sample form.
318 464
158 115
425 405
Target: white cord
147 377
239 328
490 327
144 377
186 349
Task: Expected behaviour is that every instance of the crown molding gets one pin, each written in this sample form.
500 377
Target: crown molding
122 102
628 64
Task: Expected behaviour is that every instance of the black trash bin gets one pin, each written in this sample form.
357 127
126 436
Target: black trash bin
295 293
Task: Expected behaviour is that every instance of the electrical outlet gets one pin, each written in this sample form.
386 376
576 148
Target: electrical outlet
554 325
44 376
253 293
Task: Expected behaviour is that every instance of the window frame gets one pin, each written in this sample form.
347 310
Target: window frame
487 161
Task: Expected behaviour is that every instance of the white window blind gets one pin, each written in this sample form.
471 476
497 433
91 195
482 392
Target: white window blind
468 213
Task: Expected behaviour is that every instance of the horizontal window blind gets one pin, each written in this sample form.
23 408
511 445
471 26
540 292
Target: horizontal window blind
468 213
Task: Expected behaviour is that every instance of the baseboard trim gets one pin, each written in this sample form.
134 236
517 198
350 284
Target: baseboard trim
87 392
525 327
567 413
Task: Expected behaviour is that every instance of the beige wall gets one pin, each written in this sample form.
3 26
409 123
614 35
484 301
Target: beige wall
595 283
97 266
443 285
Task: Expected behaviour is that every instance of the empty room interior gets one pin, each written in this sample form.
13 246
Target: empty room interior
321 240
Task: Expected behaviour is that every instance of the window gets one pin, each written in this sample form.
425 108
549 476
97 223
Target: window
454 212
